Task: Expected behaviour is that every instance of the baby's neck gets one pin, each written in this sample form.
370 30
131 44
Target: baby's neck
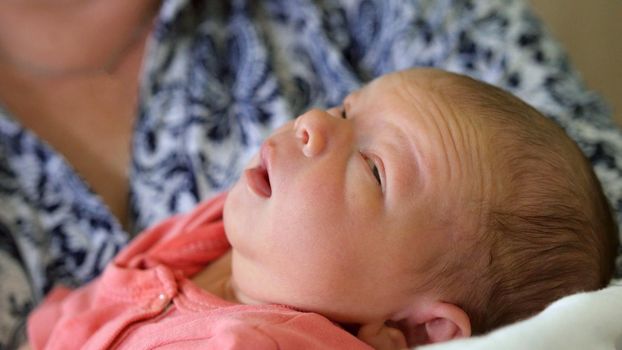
216 278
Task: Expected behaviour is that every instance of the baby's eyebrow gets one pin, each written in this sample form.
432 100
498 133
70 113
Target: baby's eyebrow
353 95
345 103
405 156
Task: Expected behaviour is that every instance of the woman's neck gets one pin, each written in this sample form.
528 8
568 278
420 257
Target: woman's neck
71 37
57 80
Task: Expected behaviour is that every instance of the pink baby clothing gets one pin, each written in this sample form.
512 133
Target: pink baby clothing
145 300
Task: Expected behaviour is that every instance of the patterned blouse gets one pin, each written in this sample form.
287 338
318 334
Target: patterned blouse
220 75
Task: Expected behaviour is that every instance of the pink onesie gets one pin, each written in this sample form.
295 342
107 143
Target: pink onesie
145 300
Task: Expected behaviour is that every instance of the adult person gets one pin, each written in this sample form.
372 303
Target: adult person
117 114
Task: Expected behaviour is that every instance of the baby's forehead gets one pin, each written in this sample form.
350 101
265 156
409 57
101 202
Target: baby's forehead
400 80
422 79
415 88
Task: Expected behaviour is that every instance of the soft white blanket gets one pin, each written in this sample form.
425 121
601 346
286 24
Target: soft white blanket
584 321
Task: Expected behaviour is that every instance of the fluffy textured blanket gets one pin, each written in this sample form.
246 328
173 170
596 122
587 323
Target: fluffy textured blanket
581 321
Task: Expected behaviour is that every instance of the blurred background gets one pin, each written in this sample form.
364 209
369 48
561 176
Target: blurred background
591 32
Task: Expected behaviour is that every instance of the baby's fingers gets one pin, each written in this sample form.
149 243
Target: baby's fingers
382 337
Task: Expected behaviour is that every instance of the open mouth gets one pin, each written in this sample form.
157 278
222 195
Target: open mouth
258 178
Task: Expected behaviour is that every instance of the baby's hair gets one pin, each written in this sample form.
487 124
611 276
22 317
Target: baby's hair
548 230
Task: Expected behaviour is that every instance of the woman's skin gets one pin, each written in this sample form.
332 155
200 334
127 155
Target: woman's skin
54 82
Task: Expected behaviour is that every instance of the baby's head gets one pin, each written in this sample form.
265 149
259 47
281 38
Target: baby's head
547 229
428 202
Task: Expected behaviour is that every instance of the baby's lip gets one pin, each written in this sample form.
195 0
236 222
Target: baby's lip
258 177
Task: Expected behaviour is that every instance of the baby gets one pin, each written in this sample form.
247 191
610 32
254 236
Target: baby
429 206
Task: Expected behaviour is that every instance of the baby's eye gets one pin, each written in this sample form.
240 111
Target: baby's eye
343 113
374 169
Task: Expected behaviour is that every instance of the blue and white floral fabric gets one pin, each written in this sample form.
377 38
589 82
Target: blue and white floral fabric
220 75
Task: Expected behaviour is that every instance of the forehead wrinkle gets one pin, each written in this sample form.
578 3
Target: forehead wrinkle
397 150
461 145
450 133
392 86
407 134
409 176
475 162
430 113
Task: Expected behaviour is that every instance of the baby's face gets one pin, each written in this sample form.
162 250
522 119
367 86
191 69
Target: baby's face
344 213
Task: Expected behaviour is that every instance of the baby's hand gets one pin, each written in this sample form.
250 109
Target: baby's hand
382 337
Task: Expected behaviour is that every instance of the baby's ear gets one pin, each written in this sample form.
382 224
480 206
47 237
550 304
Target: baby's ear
436 322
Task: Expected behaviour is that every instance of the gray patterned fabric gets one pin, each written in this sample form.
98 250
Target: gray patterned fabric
220 75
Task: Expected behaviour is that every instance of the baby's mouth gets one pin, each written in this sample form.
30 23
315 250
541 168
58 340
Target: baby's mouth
258 179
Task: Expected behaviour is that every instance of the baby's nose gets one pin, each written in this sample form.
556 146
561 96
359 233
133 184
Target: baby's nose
312 129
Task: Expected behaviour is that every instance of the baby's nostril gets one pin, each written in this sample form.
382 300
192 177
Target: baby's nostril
303 135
